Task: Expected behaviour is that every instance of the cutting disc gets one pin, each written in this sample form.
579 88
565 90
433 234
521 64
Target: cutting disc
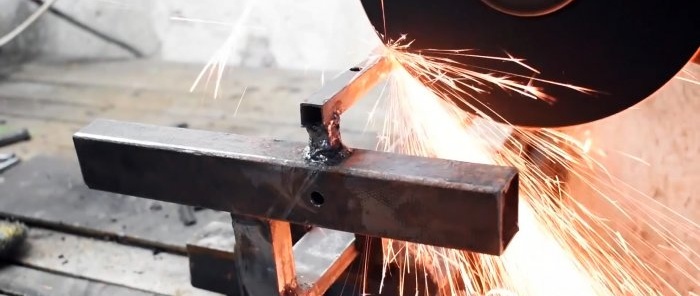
624 50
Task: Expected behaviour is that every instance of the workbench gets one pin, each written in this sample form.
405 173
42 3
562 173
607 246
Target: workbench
84 243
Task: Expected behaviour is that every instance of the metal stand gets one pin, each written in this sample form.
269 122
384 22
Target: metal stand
263 257
268 184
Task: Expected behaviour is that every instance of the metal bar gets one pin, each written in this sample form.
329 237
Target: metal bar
14 137
7 161
282 249
320 114
431 201
263 257
321 256
341 93
212 263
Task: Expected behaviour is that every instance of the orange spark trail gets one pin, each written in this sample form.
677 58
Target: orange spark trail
565 246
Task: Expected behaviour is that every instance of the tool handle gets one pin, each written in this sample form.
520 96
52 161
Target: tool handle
18 136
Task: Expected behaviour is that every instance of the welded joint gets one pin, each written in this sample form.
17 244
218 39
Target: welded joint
321 112
325 144
267 263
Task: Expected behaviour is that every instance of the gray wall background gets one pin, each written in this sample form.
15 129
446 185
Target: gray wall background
301 34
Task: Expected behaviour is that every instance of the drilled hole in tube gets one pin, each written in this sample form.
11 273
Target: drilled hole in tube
317 199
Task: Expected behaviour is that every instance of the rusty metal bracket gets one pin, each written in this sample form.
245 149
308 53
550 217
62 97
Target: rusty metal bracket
431 201
268 184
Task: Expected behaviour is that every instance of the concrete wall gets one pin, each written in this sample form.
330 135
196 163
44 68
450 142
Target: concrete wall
24 46
305 34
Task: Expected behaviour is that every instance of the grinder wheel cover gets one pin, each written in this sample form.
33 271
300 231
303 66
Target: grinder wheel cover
624 50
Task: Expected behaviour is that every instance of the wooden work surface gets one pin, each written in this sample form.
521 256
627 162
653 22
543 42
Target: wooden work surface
84 242
54 100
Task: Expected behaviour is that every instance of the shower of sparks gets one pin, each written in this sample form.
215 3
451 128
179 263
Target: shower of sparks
687 76
452 80
217 63
564 246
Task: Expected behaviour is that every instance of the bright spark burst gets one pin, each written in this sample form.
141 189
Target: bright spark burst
564 247
217 63
687 76
452 80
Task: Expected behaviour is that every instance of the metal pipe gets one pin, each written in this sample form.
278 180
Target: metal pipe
14 137
431 201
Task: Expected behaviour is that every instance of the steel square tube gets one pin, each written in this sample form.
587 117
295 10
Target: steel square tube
320 257
211 257
263 256
431 201
340 93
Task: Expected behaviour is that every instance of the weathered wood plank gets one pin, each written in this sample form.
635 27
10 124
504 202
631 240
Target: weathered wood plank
19 280
31 108
47 137
54 138
52 111
154 75
269 107
107 262
272 103
49 191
